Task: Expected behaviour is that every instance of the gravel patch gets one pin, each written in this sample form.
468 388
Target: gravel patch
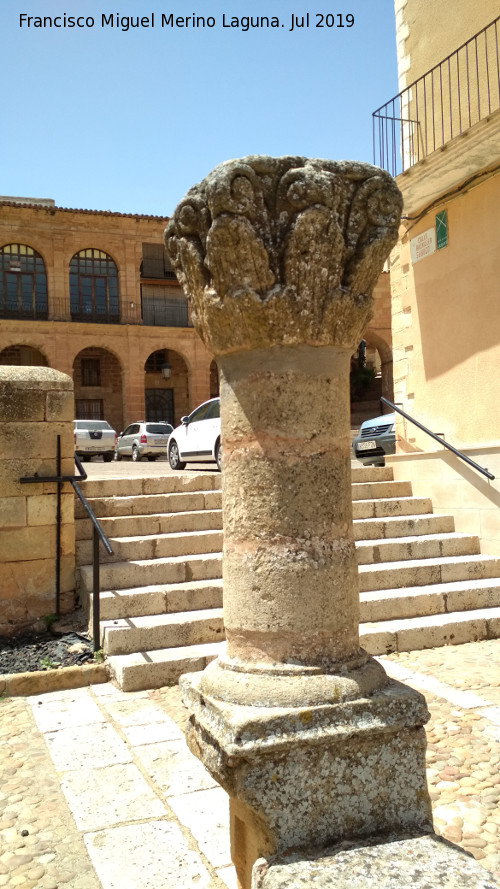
32 651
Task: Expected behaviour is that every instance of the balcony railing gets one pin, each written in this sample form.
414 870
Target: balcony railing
154 313
38 311
457 93
165 313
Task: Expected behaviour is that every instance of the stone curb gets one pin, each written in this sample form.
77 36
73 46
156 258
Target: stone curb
40 681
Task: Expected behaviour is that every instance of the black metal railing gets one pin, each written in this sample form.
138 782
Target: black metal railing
173 312
97 535
36 311
458 92
165 313
439 439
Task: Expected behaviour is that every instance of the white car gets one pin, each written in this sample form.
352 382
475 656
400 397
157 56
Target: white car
94 438
142 439
197 439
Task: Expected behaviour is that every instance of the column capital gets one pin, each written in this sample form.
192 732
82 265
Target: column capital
283 251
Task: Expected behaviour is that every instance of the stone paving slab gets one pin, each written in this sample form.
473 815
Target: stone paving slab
97 787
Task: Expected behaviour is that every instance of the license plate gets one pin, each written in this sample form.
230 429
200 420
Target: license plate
366 445
159 441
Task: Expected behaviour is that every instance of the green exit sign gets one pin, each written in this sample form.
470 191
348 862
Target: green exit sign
441 230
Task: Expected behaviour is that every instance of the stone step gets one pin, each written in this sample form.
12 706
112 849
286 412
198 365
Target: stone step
426 546
371 474
377 490
163 523
159 599
387 507
155 546
164 484
155 669
177 569
420 572
453 628
402 526
149 504
162 631
421 601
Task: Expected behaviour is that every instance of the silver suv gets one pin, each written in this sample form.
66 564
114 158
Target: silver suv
143 439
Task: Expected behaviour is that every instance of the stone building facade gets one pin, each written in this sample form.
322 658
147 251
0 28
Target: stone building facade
91 294
444 278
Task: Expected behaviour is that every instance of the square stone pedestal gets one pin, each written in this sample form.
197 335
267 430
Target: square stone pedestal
309 776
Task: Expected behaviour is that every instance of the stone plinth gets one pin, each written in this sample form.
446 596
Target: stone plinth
36 405
384 863
279 257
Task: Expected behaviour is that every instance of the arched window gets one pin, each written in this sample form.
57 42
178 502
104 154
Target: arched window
93 287
23 283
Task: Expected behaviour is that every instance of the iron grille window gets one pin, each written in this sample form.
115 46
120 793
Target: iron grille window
23 283
155 262
91 372
160 405
93 287
162 307
89 409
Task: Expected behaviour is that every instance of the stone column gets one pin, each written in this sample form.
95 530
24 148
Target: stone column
279 257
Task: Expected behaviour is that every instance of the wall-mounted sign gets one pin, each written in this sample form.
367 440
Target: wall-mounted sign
441 230
423 245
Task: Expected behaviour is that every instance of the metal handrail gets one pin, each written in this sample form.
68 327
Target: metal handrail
97 534
437 438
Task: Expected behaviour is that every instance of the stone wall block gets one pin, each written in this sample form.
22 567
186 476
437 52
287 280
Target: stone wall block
13 511
36 439
28 406
20 544
41 509
60 406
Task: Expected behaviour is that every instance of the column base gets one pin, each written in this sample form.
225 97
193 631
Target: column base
381 862
309 776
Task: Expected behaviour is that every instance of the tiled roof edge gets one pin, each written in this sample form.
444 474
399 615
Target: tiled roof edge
52 209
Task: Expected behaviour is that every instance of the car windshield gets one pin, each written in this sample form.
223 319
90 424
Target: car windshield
92 425
159 428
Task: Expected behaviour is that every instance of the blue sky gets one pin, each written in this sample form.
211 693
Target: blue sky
107 119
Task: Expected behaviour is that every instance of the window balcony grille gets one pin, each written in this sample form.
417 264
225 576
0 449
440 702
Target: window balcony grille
165 312
460 91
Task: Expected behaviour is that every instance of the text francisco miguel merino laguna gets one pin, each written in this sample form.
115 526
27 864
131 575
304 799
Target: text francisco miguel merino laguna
244 23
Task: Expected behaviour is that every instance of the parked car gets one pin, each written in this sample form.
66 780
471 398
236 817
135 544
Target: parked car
197 439
94 438
142 439
375 439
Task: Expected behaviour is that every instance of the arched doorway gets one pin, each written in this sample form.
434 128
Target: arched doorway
97 379
23 356
166 394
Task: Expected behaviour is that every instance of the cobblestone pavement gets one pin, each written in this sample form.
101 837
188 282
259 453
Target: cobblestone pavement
97 787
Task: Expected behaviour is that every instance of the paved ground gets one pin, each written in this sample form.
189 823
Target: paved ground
97 787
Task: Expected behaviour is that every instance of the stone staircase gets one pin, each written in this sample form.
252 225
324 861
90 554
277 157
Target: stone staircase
421 583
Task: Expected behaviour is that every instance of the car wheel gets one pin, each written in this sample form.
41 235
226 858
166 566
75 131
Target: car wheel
218 455
173 456
135 454
107 457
